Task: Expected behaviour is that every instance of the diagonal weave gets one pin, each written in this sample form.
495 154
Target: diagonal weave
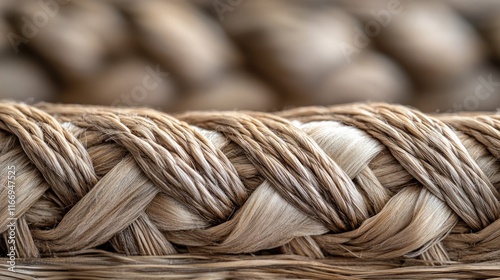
364 190
255 55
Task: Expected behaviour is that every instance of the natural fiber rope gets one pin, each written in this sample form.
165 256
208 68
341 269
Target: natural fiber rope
365 190
256 55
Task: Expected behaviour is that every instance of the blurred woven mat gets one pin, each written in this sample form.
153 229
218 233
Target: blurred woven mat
260 55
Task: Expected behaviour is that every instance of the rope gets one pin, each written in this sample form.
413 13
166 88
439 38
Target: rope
364 190
253 55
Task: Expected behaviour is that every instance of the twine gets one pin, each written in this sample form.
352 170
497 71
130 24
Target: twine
364 190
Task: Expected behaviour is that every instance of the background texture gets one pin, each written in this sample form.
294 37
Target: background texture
251 54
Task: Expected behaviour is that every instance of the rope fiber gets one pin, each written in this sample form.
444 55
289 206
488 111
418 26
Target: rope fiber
361 190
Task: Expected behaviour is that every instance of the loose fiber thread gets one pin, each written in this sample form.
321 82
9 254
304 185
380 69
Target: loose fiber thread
363 190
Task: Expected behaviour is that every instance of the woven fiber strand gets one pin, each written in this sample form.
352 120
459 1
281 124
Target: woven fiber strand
360 190
255 55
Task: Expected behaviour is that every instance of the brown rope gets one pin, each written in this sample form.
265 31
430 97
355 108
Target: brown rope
362 190
254 55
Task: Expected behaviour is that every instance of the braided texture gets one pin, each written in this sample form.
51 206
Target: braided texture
254 55
361 189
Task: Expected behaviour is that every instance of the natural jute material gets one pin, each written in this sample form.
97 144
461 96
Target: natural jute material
362 190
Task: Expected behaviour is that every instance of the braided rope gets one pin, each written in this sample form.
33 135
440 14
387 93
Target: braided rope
364 190
255 55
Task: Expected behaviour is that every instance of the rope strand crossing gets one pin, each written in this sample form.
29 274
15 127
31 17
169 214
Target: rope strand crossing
374 183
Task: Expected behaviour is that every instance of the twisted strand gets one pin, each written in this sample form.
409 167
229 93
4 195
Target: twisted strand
375 183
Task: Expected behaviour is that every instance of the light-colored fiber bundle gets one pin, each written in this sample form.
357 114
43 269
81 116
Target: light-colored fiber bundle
360 190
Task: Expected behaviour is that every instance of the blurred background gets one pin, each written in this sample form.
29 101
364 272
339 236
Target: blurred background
438 56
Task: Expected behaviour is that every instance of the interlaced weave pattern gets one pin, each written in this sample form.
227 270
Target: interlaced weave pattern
255 55
364 190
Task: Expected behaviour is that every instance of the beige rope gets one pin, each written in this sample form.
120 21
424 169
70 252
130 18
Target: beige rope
364 190
256 55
